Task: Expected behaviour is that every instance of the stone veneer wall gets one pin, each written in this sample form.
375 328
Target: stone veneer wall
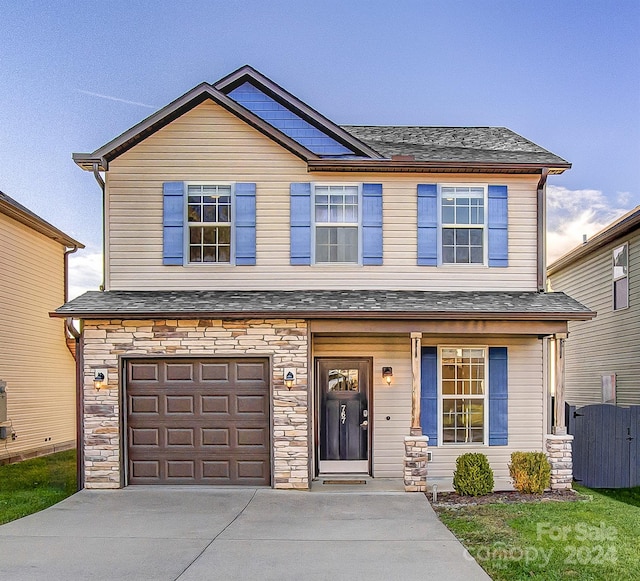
561 460
285 340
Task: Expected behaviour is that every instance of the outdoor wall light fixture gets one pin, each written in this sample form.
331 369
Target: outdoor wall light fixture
289 378
100 379
387 374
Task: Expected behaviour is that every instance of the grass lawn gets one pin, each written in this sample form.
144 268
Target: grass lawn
591 539
29 486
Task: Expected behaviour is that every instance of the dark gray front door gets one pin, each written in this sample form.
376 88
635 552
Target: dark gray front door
344 415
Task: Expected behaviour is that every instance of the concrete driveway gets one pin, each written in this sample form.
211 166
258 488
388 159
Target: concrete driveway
189 534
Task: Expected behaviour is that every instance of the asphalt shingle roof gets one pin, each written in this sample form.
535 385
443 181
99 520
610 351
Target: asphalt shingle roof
451 144
326 304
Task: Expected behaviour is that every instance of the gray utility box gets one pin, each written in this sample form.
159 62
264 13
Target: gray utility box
3 401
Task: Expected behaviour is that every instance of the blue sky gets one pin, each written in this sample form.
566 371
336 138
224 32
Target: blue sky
563 74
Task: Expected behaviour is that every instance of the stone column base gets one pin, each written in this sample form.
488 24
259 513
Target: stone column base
559 453
415 463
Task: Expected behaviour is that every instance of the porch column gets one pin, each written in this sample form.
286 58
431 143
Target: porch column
416 351
559 428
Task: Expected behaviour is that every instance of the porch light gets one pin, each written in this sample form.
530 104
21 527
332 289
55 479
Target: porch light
289 378
387 374
100 379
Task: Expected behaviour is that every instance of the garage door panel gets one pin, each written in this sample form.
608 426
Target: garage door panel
252 404
200 422
253 438
179 372
214 404
253 372
144 469
144 437
214 372
180 437
143 371
215 437
144 404
179 404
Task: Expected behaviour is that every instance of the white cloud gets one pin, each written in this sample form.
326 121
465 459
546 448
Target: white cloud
573 213
85 272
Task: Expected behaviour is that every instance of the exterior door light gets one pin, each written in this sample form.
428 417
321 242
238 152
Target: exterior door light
100 379
289 378
387 374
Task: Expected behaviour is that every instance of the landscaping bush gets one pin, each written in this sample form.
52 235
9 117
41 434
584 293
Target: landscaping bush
473 475
530 471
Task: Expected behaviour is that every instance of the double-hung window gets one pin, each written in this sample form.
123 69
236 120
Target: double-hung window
621 277
462 222
209 223
336 224
464 373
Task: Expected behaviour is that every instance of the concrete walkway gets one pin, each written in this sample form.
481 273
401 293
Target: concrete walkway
189 534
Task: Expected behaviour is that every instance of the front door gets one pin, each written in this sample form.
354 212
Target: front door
343 387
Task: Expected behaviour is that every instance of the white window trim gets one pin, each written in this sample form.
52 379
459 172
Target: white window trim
615 279
314 224
185 242
441 396
485 227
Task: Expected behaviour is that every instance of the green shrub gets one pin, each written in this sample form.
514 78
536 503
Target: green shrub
530 471
473 475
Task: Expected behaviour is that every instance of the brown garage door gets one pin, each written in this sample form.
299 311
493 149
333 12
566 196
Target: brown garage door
198 421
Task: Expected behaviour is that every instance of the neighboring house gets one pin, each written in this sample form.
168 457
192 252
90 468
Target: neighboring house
288 298
37 369
603 355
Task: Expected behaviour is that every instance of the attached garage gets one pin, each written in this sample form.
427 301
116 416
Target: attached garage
198 421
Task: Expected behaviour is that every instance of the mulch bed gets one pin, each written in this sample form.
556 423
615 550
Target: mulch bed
454 500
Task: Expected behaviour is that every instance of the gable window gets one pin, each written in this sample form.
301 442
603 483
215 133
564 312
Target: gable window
463 224
336 224
621 277
463 372
209 222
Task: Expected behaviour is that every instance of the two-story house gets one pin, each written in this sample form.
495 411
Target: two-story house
604 273
37 367
287 298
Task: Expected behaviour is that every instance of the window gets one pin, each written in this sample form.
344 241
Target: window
464 394
463 224
336 224
621 277
209 219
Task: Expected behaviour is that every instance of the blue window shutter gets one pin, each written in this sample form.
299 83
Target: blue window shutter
245 224
427 225
173 223
498 226
498 397
371 223
429 394
300 220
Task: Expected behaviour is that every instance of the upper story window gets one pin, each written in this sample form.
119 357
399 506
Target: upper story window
336 224
464 394
621 277
209 221
463 224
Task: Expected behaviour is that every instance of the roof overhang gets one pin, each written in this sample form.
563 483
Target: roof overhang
166 115
391 165
9 207
373 305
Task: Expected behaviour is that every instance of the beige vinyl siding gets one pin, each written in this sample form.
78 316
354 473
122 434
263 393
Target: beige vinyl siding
209 144
34 359
526 402
610 343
